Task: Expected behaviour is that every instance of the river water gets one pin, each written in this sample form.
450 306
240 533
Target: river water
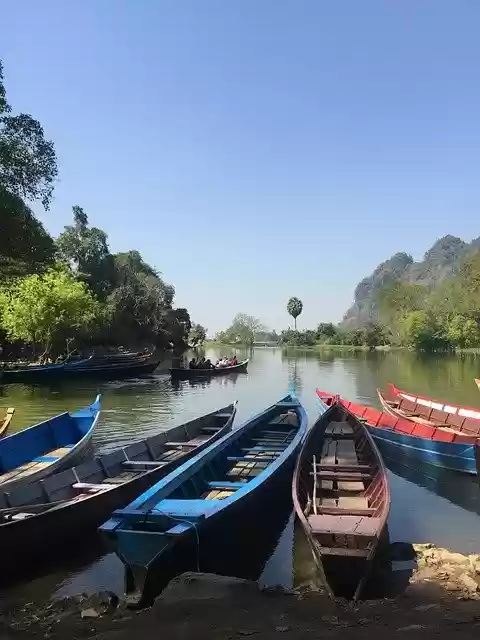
428 505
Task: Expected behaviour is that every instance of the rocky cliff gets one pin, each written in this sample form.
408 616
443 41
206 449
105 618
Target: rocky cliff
440 262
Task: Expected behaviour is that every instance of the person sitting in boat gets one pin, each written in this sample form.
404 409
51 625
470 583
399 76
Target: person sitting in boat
201 364
192 364
209 364
222 363
234 361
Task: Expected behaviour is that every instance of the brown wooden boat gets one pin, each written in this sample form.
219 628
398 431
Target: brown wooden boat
433 413
341 497
6 421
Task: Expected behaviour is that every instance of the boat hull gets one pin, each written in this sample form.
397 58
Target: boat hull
66 524
448 455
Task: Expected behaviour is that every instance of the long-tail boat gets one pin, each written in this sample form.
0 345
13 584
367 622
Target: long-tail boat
187 374
226 484
437 445
65 507
341 497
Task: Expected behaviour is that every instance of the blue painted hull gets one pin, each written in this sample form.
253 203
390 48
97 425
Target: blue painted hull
175 511
448 455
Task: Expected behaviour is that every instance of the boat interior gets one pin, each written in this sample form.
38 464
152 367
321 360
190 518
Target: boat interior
223 473
113 469
38 447
341 486
433 414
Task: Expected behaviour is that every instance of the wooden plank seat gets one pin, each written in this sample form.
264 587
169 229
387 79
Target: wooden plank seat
341 551
92 487
339 429
143 463
211 429
337 511
342 475
186 443
225 484
344 525
251 459
323 466
270 449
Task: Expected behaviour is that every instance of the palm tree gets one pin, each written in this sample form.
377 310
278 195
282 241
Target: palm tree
294 308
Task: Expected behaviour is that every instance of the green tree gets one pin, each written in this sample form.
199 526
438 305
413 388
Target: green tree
242 330
85 249
295 308
197 336
28 164
25 246
462 331
48 310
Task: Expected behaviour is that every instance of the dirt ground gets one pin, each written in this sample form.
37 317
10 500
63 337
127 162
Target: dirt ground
442 599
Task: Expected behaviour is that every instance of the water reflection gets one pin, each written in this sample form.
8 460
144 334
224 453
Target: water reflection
427 505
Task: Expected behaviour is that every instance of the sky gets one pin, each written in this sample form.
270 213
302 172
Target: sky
254 150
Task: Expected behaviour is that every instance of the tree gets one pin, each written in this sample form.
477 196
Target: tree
242 330
197 336
294 308
86 250
48 310
25 246
326 330
28 164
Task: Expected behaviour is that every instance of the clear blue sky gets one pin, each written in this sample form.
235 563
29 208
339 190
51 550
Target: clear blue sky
256 149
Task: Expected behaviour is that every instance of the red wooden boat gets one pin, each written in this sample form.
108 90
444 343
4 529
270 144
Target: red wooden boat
425 411
441 446
341 496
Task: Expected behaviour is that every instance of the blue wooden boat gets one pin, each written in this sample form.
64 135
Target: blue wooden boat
219 488
47 447
435 445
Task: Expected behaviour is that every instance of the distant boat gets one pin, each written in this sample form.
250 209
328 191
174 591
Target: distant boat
341 497
186 374
47 447
67 505
434 445
223 485
92 367
6 421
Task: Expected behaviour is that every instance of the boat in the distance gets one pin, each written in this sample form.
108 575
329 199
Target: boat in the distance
440 446
341 497
426 411
186 374
225 485
66 506
92 367
5 423
47 447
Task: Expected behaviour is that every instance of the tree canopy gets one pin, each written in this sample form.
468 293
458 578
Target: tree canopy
242 330
294 308
28 164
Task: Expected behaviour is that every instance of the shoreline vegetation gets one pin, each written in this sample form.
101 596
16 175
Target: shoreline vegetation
59 296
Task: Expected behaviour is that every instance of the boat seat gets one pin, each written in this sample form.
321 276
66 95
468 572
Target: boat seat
251 459
270 449
226 485
327 466
186 443
93 487
338 428
352 476
143 463
343 551
345 525
211 429
223 415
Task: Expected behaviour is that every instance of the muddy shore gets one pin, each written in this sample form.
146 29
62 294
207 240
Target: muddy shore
441 597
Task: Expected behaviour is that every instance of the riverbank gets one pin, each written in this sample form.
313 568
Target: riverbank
441 599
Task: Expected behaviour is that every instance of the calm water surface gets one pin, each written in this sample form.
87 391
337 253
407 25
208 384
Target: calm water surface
427 505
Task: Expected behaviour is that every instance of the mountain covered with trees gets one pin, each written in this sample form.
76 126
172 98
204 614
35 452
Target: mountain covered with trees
57 295
441 262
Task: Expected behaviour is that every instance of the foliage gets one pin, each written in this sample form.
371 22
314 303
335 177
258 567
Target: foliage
440 318
28 164
295 338
48 310
25 246
294 308
86 250
242 330
197 335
